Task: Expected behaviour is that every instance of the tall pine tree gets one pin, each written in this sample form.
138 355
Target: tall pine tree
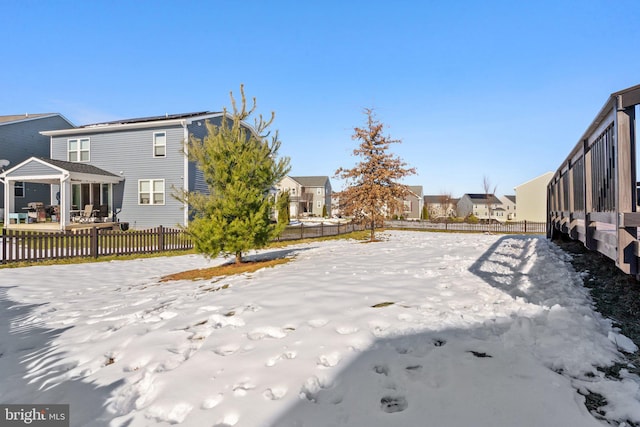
373 190
240 167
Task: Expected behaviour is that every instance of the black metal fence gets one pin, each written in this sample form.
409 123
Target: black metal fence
507 227
302 231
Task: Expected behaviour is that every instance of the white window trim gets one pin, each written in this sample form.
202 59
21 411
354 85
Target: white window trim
151 192
154 144
79 151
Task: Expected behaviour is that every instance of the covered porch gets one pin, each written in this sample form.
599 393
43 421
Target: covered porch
81 195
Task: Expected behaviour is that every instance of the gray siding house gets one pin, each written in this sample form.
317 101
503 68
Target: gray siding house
20 139
139 164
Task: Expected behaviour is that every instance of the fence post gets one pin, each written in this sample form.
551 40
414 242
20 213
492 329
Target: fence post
301 232
322 229
161 238
525 225
4 245
93 242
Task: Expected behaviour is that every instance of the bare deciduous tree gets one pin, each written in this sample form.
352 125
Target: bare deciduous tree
373 189
446 201
488 193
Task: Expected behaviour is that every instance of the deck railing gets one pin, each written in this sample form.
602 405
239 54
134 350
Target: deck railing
593 195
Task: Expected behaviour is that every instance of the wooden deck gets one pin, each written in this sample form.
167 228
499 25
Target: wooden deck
593 196
55 226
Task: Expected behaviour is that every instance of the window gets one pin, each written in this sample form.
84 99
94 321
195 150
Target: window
151 192
159 144
319 191
318 204
78 150
18 189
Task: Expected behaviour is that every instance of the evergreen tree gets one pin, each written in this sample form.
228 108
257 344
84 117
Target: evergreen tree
373 191
283 203
240 167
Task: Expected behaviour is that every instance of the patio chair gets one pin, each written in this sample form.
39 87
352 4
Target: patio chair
87 214
102 213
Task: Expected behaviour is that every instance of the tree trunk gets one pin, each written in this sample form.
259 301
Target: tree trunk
373 229
238 257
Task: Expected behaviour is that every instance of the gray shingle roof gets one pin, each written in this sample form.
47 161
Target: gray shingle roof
311 181
77 167
438 199
482 198
19 117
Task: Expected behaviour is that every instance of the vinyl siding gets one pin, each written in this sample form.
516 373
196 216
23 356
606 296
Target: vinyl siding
130 154
198 130
34 168
22 140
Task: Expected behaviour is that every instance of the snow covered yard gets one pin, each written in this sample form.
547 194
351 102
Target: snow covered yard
421 329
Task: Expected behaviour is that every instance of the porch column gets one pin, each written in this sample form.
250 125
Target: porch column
65 202
9 199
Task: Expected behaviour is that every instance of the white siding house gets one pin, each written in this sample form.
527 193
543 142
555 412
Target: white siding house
308 195
532 198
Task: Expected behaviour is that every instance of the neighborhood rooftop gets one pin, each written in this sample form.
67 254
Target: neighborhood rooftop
152 119
19 117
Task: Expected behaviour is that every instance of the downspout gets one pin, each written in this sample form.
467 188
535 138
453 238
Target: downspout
5 203
185 173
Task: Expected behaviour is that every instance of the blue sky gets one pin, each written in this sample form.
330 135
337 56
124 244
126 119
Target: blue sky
494 88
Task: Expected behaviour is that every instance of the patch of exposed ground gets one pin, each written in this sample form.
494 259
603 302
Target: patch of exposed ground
224 270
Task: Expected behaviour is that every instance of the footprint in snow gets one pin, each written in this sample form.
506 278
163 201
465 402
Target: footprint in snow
242 388
266 332
391 404
346 330
229 420
403 350
275 393
317 323
226 349
312 387
381 370
329 360
213 401
287 355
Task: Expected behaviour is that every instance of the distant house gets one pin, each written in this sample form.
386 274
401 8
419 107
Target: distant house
413 203
308 195
440 206
20 139
532 198
509 207
484 207
132 166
